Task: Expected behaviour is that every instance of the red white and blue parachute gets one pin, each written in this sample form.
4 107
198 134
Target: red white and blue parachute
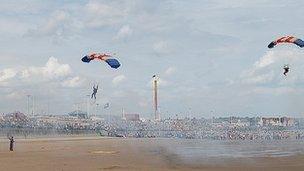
287 39
114 63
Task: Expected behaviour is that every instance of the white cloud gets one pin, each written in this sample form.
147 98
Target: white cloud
23 7
52 26
272 57
73 82
119 93
101 14
55 24
160 47
124 32
265 60
143 103
269 68
7 74
59 26
273 91
118 79
163 83
253 78
15 95
12 26
169 71
53 71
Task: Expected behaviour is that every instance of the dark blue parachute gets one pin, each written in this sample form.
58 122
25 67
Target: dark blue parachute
113 63
86 59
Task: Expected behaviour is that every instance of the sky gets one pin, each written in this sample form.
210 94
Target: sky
211 56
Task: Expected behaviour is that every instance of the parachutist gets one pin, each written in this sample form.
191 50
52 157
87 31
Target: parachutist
11 143
286 70
95 89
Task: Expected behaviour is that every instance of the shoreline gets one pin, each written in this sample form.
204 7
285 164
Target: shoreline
103 153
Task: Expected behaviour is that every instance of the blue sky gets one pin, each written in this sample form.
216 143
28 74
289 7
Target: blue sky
211 56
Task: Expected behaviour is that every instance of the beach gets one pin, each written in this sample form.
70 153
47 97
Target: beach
94 153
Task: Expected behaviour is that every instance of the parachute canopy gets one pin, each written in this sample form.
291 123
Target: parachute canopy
113 63
287 39
86 59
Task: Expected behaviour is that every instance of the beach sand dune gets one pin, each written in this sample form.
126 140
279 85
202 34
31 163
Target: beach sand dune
96 154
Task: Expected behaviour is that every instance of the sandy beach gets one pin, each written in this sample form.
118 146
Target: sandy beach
93 153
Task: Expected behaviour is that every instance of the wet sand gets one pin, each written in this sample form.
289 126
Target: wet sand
95 154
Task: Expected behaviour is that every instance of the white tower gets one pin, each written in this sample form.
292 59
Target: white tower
155 98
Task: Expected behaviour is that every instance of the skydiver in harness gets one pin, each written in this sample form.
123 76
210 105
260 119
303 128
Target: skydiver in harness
95 89
286 70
